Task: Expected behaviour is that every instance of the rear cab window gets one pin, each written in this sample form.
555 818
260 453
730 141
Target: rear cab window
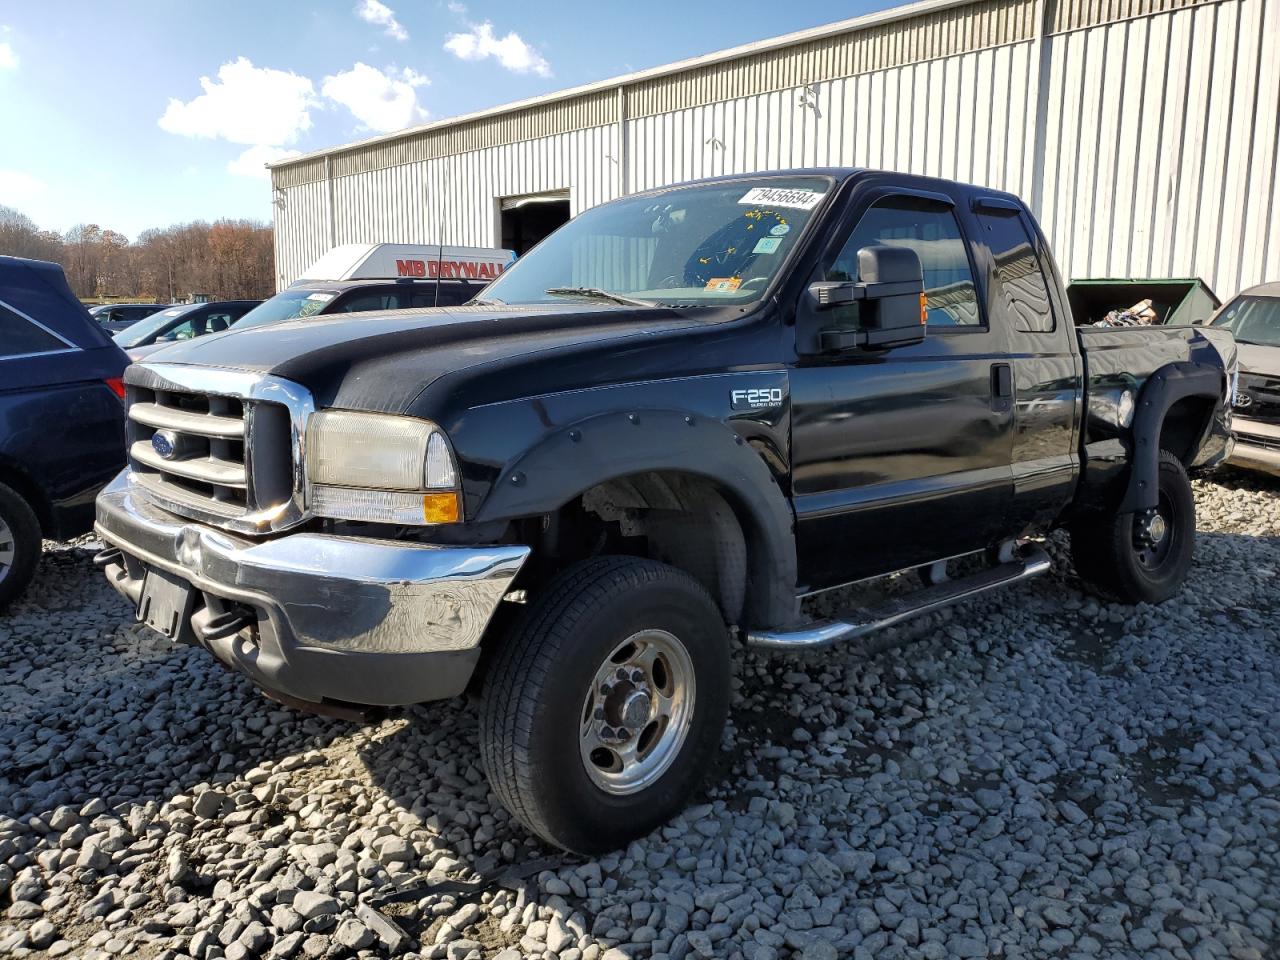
1017 275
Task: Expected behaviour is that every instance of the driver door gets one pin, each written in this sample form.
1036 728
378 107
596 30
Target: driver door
901 456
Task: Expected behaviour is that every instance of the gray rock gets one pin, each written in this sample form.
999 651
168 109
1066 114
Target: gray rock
353 934
209 804
309 904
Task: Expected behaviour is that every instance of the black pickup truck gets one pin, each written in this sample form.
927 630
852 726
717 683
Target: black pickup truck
646 443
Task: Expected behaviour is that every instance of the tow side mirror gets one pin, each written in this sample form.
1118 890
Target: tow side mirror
891 296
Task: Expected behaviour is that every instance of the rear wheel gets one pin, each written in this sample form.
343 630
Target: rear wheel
1142 557
19 545
603 709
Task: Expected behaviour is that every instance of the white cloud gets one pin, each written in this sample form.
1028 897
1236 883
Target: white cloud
245 104
8 59
479 43
382 101
380 15
17 187
252 162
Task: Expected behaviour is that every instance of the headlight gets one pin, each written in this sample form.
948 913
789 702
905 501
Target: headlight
381 468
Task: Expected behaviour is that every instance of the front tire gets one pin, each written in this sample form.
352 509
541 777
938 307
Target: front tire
1142 557
603 709
20 545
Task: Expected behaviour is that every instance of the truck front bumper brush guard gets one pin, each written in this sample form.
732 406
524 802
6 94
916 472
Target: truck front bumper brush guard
325 618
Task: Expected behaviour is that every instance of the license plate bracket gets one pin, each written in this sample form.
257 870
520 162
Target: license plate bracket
166 604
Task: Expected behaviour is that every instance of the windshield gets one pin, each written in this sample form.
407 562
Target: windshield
1252 320
146 330
286 305
717 243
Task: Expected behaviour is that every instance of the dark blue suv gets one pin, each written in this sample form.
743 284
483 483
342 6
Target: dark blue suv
61 415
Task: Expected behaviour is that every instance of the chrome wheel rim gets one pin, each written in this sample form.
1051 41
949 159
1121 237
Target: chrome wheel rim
7 548
637 712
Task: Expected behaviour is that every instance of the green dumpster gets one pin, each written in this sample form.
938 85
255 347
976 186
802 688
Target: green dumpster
1177 301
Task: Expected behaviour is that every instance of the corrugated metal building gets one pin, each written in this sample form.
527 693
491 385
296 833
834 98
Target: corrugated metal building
1143 133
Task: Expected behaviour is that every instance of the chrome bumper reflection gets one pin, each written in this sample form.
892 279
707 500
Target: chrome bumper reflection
330 592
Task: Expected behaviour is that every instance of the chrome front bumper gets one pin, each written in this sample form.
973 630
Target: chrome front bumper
334 618
1259 449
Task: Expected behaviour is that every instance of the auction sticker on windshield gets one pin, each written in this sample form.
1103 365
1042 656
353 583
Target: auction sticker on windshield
723 284
781 197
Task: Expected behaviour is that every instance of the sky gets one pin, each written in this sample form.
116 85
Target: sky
143 113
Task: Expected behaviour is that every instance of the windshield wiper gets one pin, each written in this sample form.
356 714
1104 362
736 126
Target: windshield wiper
595 293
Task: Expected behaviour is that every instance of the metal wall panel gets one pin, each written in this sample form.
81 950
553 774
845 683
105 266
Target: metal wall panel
1147 146
452 200
1167 166
926 37
963 117
1075 14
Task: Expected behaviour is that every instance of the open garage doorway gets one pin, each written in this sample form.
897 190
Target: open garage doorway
526 220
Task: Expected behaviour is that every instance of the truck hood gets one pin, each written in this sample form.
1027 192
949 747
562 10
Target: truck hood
382 361
1256 358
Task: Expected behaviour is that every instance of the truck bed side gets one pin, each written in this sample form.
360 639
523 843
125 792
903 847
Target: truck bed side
1120 364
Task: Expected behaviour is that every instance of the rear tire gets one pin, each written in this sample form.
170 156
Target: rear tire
20 545
604 707
1141 557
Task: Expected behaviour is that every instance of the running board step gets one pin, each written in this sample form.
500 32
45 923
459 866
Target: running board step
1032 562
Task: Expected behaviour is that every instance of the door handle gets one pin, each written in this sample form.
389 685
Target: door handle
1001 387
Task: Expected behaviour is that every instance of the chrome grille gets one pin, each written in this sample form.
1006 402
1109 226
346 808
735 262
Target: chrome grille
224 447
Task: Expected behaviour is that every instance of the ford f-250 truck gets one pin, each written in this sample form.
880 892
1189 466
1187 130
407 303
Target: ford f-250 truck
647 442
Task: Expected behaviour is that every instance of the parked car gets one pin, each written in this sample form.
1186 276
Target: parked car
114 317
682 413
61 416
184 322
1253 318
363 277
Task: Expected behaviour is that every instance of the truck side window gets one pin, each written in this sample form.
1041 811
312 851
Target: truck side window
930 229
1017 271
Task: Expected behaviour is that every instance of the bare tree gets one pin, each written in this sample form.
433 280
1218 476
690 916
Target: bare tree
229 259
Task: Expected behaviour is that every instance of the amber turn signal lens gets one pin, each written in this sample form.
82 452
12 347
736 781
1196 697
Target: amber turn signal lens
441 508
924 310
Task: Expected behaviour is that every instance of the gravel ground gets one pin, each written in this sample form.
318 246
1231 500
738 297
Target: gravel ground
1042 775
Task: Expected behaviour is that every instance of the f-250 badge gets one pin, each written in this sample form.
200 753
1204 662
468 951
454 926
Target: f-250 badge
755 398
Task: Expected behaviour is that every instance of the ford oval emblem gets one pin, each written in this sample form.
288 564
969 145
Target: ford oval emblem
165 443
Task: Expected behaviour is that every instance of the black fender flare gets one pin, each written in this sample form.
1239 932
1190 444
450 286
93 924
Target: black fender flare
1164 388
610 446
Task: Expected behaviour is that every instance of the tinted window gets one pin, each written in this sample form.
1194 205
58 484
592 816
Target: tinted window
19 336
370 300
450 295
1018 278
930 229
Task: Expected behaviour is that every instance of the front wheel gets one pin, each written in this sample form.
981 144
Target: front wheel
1142 557
604 708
